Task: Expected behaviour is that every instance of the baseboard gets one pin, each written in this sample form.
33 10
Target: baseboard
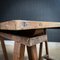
50 44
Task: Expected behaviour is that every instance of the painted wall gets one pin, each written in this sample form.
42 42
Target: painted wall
42 10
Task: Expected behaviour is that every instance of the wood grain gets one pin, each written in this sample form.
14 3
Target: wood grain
24 25
18 51
32 52
25 40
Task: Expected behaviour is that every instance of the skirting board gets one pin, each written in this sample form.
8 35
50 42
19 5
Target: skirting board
50 44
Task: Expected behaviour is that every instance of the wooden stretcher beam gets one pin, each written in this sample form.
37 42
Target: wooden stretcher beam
25 40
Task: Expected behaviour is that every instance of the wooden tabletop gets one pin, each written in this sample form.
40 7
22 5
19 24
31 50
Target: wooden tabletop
25 25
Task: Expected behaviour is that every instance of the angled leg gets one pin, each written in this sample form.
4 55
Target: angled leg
47 53
40 51
46 46
18 51
4 48
32 52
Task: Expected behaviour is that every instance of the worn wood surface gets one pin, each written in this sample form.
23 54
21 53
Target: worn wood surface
29 41
18 51
32 52
24 25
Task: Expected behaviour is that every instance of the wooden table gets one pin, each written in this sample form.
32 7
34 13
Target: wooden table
30 35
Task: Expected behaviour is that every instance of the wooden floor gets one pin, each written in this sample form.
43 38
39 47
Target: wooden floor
54 52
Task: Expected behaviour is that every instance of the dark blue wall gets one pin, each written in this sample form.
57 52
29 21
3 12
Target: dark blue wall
42 10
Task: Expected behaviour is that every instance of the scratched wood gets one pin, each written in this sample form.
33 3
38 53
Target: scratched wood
23 25
25 40
19 50
32 52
